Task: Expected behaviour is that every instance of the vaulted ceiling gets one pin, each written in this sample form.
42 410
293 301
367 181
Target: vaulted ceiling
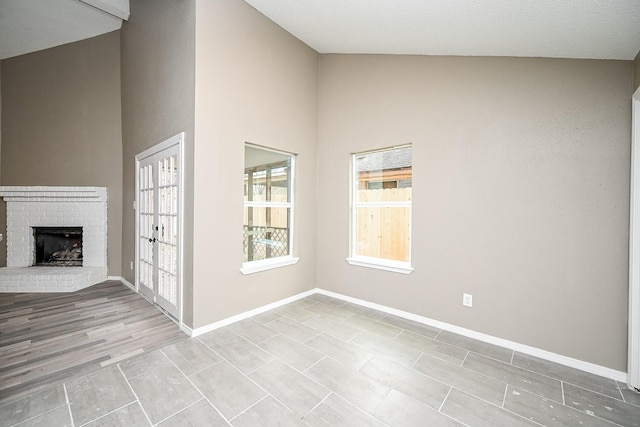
599 29
31 25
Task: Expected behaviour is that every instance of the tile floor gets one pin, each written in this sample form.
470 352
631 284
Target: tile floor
323 362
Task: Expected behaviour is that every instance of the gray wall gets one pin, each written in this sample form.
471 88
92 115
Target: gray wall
255 83
521 189
157 51
61 123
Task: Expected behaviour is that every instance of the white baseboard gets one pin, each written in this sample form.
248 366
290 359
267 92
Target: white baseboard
123 280
522 348
187 330
224 322
531 351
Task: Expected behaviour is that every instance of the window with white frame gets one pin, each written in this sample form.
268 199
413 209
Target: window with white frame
268 209
381 209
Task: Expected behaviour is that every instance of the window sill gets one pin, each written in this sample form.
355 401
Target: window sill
382 264
267 264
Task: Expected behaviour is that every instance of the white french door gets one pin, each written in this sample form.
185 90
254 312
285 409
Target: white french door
158 202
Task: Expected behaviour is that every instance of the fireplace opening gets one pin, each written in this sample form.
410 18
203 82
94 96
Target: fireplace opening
58 246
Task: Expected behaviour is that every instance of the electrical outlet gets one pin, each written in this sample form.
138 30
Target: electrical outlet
131 265
467 300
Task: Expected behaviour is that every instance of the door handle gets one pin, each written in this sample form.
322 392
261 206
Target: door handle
152 240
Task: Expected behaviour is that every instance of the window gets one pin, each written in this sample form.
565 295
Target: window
381 209
268 209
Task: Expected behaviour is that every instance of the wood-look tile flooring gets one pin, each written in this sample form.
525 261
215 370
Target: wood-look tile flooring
46 338
324 362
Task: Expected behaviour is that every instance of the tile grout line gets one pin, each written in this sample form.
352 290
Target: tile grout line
324 356
504 397
246 375
274 357
555 378
314 337
258 344
523 417
295 339
465 358
39 415
135 394
196 387
445 398
362 332
502 408
601 394
416 361
318 404
468 350
552 400
398 334
222 358
252 405
517 367
330 392
304 374
203 369
181 410
109 413
66 397
560 378
370 414
582 411
620 392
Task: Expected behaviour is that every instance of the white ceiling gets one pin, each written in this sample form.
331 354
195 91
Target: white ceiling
601 29
31 25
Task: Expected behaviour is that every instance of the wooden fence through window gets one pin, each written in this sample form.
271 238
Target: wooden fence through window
383 231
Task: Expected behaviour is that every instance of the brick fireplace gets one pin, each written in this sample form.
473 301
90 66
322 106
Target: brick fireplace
38 206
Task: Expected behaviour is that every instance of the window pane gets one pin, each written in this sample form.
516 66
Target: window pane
383 232
384 170
266 233
382 204
267 176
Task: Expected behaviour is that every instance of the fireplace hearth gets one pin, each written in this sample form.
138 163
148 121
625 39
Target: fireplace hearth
58 246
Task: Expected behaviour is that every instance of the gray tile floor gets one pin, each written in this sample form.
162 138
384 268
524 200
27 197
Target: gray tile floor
323 362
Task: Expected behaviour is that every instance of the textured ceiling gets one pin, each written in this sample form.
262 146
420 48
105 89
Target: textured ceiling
601 29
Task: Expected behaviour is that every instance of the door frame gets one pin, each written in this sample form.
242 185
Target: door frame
176 140
633 362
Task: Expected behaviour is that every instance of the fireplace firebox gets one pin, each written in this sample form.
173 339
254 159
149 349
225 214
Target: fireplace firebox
58 246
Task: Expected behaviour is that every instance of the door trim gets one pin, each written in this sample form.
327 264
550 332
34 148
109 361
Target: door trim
633 363
168 143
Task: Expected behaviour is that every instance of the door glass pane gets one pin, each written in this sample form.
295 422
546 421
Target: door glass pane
145 212
167 233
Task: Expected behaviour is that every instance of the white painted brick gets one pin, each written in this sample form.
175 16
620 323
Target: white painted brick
56 206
